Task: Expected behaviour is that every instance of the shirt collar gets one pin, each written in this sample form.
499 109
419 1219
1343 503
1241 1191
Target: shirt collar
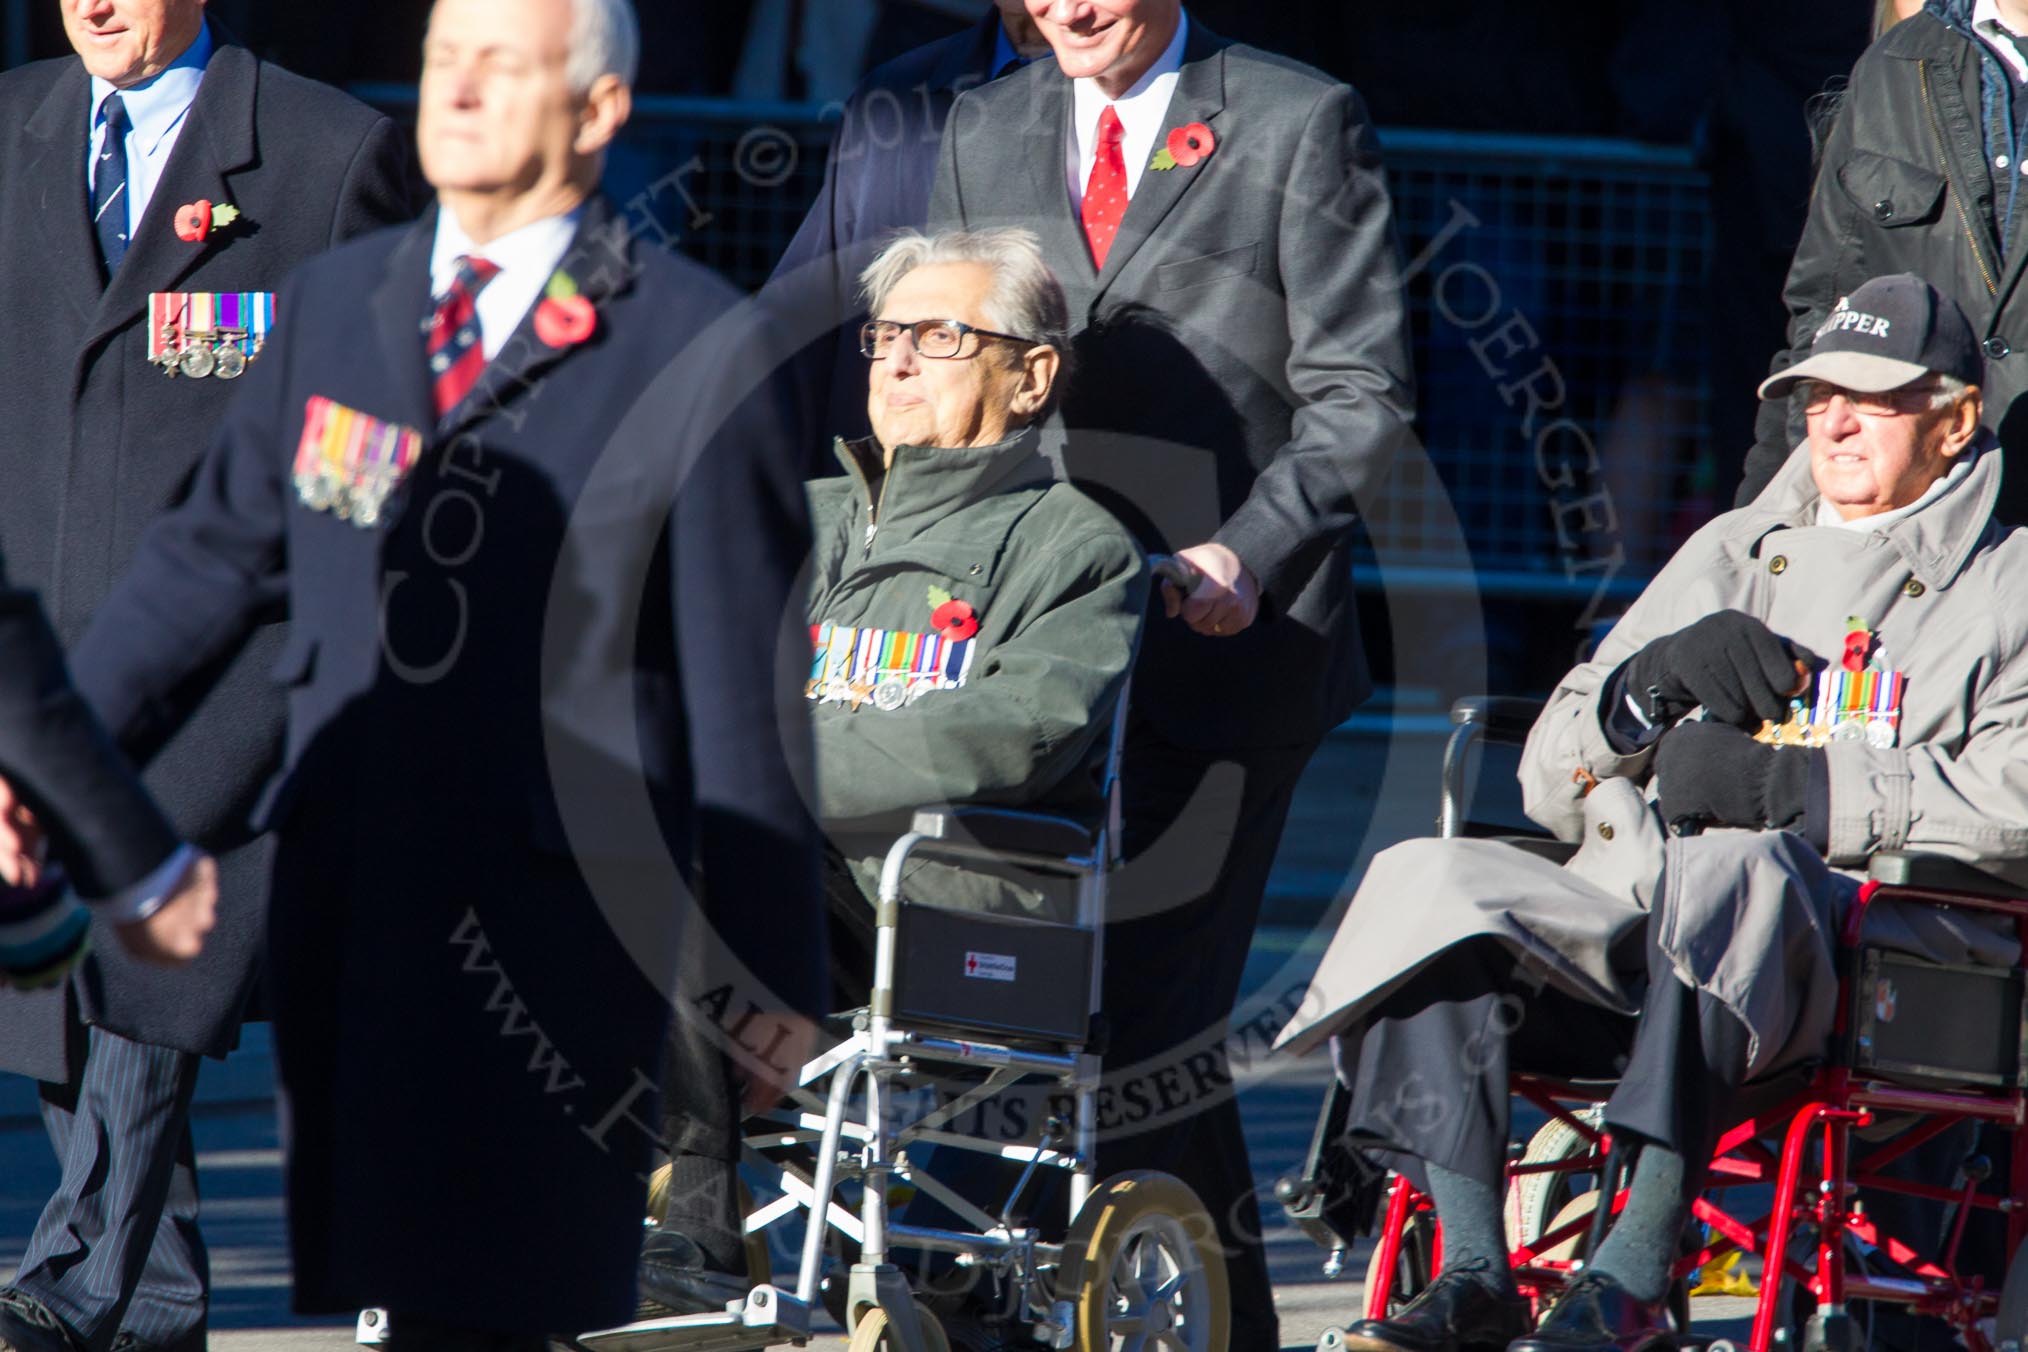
539 244
1986 23
1091 100
1827 515
1003 52
157 104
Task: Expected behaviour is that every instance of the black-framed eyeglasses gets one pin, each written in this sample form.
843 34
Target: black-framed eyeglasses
939 338
1915 398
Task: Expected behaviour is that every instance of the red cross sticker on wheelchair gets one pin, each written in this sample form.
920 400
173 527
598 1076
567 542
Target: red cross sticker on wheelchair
990 966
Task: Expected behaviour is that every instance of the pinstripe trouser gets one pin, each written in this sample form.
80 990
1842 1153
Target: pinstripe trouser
117 1247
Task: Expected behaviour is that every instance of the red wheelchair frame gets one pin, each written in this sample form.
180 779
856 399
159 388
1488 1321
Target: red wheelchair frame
1815 1174
1816 1168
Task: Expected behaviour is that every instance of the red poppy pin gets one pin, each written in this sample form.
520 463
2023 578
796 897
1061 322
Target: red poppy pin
564 318
1857 641
953 620
1187 148
195 222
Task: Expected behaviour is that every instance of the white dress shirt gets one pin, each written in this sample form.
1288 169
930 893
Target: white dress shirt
527 259
1143 110
157 108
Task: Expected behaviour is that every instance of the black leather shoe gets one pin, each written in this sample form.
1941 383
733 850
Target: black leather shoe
1596 1314
27 1325
1461 1311
678 1278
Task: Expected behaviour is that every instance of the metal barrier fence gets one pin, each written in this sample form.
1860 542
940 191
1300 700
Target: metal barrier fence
1556 298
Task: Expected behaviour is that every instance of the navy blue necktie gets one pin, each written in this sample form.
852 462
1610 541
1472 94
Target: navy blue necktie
109 187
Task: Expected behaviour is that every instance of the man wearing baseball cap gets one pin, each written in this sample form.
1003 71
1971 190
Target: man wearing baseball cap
1726 785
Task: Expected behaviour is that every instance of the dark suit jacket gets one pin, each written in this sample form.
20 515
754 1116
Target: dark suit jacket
1244 362
539 680
94 443
878 178
103 827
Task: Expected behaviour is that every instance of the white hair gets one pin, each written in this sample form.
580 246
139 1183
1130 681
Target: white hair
1949 390
1027 300
605 39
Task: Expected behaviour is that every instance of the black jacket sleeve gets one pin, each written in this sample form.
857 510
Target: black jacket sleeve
1812 289
740 536
104 828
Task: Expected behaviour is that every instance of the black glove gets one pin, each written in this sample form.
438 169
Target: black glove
1709 774
1741 671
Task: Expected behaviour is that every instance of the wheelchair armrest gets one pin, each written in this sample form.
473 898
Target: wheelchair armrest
1940 873
1505 717
1007 831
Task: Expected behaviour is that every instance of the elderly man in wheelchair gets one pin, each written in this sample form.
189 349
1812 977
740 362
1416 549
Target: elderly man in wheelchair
973 623
1836 670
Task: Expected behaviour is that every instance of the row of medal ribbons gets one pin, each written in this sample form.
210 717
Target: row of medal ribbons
349 462
1842 706
205 333
890 667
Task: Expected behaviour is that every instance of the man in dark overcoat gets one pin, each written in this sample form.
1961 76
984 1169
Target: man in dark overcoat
161 178
1221 222
525 489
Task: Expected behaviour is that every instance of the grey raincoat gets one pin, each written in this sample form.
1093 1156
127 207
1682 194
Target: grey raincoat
1748 917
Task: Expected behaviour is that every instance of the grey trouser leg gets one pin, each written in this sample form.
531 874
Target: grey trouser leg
1684 1072
1430 1073
117 1247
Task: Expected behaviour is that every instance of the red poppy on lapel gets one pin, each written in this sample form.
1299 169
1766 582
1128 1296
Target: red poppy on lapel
564 318
195 222
955 620
1190 145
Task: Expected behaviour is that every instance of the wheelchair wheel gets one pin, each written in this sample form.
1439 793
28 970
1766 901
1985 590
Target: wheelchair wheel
1411 1264
1578 1208
874 1334
759 1263
1142 1265
1535 1200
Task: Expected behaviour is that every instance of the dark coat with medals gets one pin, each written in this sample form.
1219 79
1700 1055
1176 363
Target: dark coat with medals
95 442
529 702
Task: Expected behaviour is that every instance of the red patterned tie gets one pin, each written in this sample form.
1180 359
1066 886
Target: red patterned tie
457 355
1105 197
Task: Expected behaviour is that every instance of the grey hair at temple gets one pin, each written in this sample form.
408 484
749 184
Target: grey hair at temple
1027 299
605 39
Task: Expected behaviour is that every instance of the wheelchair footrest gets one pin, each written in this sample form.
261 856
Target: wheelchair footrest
767 1317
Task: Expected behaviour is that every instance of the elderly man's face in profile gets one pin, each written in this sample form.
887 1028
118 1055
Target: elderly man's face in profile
959 401
1093 38
1872 453
124 42
497 113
